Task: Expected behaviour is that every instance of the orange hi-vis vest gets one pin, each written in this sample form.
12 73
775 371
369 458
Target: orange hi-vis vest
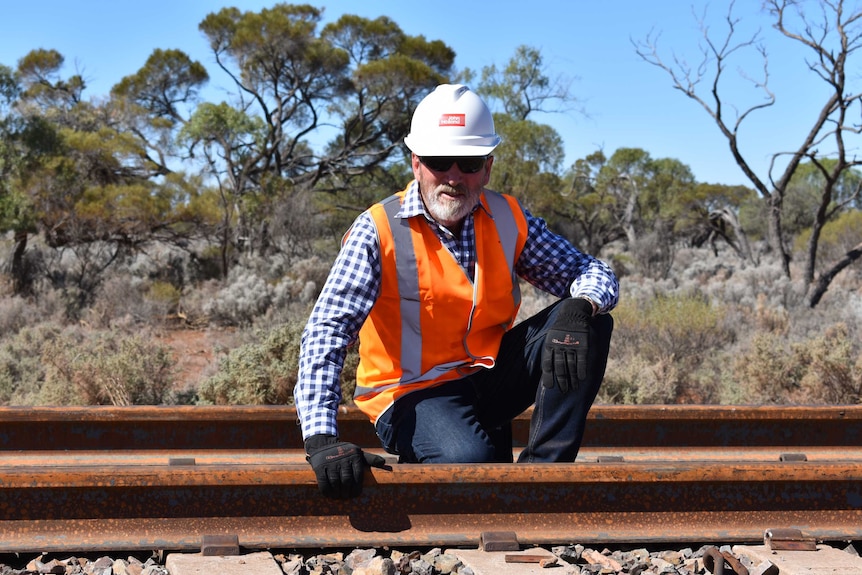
431 323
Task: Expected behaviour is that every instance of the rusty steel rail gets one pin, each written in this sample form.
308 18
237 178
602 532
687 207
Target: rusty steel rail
271 506
270 427
166 478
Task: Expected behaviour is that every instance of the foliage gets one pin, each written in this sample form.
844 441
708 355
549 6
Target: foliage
807 181
109 368
832 376
663 340
528 160
253 291
837 237
47 365
263 372
168 79
583 210
39 73
523 86
638 380
521 162
22 363
122 210
15 314
355 81
653 205
820 369
120 300
165 294
239 302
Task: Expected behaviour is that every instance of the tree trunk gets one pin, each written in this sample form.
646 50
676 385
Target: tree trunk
776 235
21 283
818 289
744 247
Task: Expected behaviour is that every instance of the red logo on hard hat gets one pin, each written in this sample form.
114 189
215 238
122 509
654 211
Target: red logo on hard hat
453 120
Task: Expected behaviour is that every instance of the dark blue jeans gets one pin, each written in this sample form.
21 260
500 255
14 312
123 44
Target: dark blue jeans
469 420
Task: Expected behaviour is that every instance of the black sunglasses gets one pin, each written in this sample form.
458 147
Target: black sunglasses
467 164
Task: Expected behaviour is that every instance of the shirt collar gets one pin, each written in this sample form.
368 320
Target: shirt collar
412 204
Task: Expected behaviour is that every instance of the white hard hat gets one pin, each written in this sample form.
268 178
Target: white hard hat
452 121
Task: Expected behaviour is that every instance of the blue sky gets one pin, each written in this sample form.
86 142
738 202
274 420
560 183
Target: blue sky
628 103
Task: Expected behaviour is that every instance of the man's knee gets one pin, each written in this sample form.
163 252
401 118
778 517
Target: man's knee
600 343
461 452
603 324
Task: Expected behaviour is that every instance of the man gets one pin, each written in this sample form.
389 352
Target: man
427 282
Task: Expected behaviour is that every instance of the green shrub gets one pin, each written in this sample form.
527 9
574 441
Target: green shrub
681 326
770 319
165 295
831 375
639 381
766 370
106 368
257 373
658 349
16 313
265 372
46 365
820 369
22 366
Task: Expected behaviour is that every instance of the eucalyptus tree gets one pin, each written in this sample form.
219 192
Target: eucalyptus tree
650 205
715 215
830 31
155 102
10 153
528 162
625 177
45 88
311 108
15 212
586 206
91 185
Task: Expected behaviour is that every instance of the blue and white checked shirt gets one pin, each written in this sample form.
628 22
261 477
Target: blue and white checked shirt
548 262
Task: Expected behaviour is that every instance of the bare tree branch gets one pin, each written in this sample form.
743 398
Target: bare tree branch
833 37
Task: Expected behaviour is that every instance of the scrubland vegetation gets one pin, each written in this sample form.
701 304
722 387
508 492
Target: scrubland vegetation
129 219
713 331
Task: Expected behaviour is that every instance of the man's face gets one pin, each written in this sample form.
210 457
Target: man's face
450 193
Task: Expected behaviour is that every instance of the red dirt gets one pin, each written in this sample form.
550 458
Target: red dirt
197 353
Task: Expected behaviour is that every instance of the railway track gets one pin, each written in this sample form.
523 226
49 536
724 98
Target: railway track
174 478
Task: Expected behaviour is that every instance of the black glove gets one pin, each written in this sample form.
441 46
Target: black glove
339 465
564 359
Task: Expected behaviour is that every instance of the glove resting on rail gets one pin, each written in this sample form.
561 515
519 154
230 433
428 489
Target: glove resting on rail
564 358
339 465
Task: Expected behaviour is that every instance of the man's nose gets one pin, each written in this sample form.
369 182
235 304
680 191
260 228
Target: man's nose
454 173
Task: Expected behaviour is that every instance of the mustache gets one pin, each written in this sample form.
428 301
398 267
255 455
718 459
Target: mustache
449 189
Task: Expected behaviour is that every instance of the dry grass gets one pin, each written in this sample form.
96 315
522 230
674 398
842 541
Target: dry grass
711 333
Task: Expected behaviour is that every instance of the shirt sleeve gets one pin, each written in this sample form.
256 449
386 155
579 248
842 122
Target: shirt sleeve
344 303
552 264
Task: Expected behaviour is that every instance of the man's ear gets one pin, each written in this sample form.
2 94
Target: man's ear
488 163
414 163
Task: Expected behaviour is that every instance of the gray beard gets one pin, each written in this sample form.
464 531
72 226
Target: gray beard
451 211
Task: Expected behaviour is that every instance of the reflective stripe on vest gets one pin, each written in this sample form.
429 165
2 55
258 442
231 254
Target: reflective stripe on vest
408 288
507 230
